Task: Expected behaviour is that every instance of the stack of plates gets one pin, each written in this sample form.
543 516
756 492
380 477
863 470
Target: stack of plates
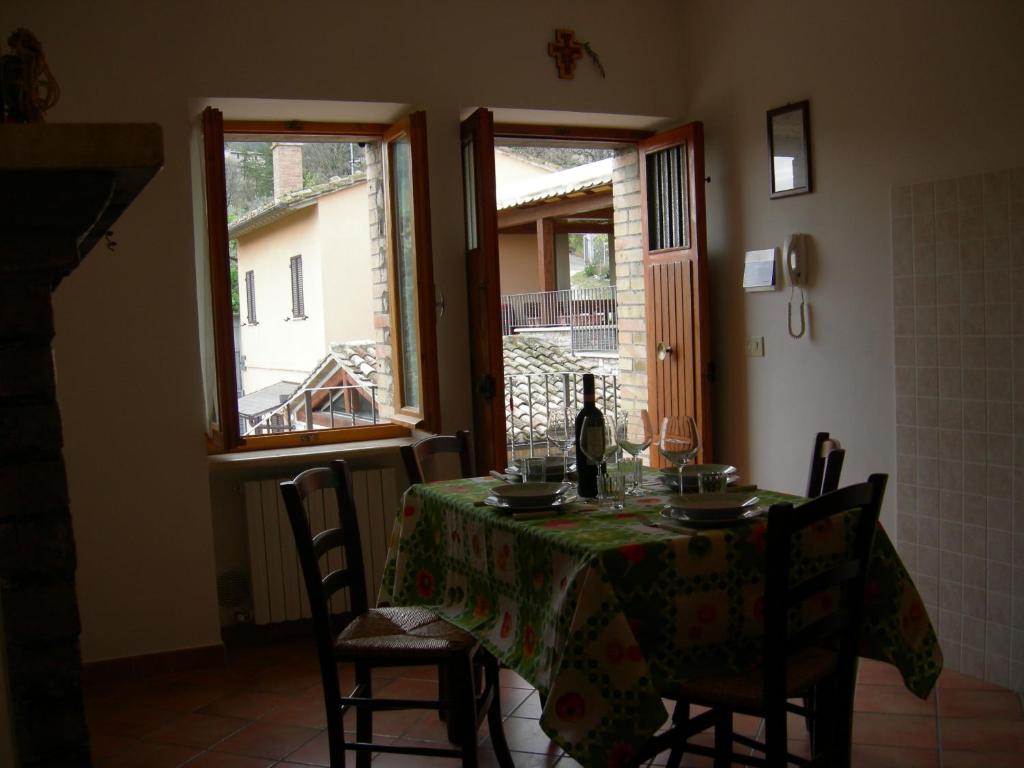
524 496
670 475
712 510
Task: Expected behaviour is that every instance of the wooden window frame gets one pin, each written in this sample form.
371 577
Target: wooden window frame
225 434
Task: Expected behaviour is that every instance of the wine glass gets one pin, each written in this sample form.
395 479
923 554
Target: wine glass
598 443
562 435
635 435
679 441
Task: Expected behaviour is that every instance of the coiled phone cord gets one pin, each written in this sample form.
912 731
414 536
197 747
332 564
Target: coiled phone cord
789 315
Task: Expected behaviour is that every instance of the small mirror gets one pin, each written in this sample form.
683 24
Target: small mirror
789 150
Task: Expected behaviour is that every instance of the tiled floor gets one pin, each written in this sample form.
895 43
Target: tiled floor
265 709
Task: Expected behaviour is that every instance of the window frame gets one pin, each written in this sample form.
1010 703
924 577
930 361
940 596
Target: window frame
224 431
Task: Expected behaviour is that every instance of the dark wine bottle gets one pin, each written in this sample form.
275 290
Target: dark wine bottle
586 470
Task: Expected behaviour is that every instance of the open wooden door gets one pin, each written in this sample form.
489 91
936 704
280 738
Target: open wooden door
676 279
484 291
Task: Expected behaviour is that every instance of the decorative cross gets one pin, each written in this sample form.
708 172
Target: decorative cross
565 51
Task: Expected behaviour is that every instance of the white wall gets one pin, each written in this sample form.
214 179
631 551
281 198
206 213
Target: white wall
899 92
278 347
126 349
344 223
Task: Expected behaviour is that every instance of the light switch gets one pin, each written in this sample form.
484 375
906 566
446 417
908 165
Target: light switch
755 346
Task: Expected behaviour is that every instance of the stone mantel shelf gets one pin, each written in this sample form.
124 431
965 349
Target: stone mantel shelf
62 186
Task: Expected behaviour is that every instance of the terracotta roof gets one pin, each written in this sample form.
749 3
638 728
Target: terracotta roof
293 201
535 190
538 372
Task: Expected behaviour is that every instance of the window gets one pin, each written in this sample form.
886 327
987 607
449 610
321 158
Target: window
298 304
350 201
250 297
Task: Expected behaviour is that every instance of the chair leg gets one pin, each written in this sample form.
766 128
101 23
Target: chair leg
495 725
775 739
723 738
335 736
364 715
463 707
680 717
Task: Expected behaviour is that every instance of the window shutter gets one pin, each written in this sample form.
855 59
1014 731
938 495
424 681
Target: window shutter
298 301
250 297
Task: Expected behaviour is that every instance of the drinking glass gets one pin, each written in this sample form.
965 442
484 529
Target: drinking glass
562 434
679 442
635 434
533 469
598 443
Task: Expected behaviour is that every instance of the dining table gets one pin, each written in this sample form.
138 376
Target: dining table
605 610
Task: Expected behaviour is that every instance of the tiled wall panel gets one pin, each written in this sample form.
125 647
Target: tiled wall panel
958 293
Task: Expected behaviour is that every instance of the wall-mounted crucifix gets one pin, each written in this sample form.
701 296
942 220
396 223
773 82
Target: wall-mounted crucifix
566 52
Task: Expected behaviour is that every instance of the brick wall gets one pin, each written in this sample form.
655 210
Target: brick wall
379 268
629 280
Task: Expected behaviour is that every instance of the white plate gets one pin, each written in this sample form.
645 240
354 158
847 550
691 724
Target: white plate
558 503
713 505
515 493
678 516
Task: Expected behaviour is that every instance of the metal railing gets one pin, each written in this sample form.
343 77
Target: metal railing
589 314
305 411
533 398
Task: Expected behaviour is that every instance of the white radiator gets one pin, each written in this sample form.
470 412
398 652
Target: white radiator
278 591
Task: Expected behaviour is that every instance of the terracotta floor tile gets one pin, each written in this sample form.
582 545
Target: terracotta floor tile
525 735
224 760
267 740
892 699
865 756
147 754
511 698
407 688
305 712
530 707
951 679
886 730
970 735
125 718
315 752
954 759
248 705
873 672
989 704
510 679
194 730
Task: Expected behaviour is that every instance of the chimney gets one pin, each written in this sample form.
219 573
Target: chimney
287 168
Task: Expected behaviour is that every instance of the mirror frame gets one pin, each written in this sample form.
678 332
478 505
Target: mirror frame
804 108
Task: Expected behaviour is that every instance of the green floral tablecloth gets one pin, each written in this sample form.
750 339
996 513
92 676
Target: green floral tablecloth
603 612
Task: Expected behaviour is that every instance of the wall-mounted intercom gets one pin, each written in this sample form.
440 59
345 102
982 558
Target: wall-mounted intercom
795 257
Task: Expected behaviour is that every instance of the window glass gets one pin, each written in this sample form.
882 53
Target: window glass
405 267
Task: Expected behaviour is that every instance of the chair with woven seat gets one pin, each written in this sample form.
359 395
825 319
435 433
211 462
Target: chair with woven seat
384 637
423 459
826 466
821 656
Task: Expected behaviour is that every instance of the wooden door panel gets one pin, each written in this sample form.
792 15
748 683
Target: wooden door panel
483 291
675 269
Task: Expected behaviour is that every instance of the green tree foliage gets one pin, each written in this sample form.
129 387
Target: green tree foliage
249 176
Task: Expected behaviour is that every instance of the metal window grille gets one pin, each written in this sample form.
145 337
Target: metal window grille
250 297
668 223
298 302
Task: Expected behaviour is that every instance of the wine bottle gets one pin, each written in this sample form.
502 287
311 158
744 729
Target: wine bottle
586 469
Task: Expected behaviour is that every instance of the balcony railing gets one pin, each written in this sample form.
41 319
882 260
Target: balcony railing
318 408
589 314
533 398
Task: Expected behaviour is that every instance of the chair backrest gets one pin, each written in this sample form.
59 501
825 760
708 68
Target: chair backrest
314 549
421 457
826 466
843 580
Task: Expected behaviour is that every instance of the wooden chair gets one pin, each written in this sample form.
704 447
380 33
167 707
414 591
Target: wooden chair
821 656
419 457
826 466
384 637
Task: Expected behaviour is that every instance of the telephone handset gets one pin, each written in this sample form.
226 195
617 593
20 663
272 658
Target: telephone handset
796 264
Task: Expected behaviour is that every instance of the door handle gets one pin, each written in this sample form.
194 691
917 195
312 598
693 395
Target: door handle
663 350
